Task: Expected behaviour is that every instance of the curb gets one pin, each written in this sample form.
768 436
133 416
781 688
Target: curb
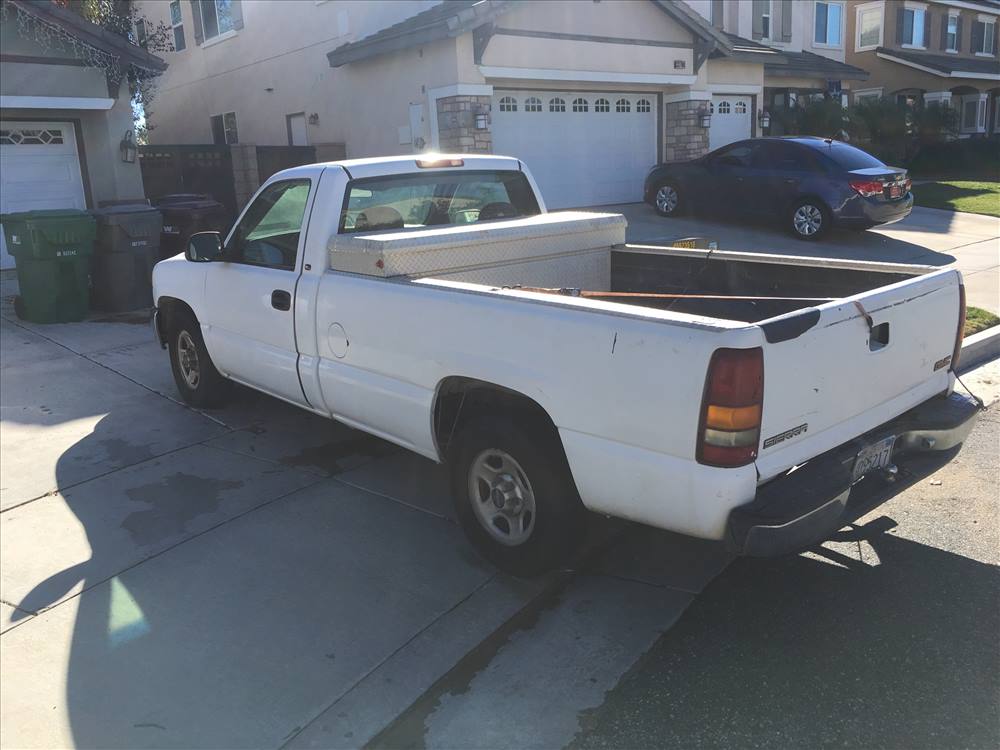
978 348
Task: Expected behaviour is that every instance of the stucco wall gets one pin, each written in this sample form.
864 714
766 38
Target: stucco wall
893 77
634 19
282 47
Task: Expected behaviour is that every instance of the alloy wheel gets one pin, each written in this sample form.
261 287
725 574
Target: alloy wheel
807 220
666 199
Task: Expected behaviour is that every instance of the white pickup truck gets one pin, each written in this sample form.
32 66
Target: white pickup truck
435 303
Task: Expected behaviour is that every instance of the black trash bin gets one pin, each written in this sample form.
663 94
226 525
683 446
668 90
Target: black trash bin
187 213
127 248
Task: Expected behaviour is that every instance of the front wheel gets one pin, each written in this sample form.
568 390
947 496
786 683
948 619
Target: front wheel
667 200
514 495
809 219
198 382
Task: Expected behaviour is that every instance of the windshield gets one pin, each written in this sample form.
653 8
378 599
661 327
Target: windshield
436 199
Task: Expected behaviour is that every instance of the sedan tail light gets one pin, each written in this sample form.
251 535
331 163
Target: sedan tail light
729 432
867 188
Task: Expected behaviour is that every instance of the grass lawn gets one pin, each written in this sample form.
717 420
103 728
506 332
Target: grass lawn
978 319
960 195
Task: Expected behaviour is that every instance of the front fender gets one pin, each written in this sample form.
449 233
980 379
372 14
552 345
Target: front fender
181 279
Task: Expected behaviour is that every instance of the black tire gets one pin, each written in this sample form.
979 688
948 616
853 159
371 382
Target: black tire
804 216
209 389
667 199
556 525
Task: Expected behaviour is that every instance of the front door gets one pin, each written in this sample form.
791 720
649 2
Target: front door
249 294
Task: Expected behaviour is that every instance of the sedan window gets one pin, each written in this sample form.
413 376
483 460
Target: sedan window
739 154
847 157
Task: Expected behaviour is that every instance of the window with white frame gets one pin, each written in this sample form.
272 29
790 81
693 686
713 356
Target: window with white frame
177 23
508 104
983 34
867 96
557 105
761 19
951 33
623 105
828 23
642 105
912 32
216 17
532 104
869 26
580 105
974 113
602 105
224 129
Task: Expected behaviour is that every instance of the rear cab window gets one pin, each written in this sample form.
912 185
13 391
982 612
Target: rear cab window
433 199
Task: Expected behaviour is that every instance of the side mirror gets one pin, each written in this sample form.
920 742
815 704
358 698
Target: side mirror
204 247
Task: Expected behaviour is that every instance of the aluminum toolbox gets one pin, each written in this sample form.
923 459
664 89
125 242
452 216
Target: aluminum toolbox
566 248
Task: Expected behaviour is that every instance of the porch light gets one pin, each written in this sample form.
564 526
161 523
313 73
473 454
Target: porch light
704 116
482 120
128 147
763 119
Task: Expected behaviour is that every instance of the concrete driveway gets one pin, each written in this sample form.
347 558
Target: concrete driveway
928 236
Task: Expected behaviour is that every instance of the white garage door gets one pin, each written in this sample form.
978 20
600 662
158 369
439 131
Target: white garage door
731 120
584 149
39 169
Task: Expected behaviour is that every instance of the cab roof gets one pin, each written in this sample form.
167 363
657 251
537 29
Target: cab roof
379 166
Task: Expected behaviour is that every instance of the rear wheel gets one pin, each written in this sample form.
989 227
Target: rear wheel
514 495
667 200
809 219
198 382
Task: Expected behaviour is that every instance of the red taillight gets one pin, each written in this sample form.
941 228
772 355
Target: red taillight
868 188
907 185
729 431
960 334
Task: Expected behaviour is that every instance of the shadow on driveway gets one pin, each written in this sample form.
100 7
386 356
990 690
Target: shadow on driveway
822 650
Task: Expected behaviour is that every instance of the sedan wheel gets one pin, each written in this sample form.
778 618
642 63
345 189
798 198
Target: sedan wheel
809 221
667 200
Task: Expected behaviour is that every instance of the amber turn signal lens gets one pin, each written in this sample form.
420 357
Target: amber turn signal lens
732 418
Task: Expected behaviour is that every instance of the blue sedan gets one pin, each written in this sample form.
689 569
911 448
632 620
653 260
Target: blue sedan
809 184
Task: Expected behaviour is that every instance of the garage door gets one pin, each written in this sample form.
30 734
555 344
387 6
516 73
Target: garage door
39 168
584 149
731 120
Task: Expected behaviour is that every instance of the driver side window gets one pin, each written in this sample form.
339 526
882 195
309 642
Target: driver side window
268 233
738 155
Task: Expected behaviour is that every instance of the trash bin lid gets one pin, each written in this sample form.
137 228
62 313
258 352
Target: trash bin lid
181 198
126 208
46 214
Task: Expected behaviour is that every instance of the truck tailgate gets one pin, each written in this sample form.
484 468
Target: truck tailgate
840 378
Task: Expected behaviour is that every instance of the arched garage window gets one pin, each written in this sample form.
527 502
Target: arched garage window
741 108
623 105
557 105
532 104
580 105
602 105
508 104
642 105
724 108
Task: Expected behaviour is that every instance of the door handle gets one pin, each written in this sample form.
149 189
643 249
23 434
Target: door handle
281 300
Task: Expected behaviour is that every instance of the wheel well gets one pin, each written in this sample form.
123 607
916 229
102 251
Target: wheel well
168 309
809 197
460 399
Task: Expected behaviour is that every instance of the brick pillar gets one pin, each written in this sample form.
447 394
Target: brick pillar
457 131
684 137
246 178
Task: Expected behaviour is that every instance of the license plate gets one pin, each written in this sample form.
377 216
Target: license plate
685 243
895 191
873 457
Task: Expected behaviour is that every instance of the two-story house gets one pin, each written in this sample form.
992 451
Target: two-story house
589 93
942 51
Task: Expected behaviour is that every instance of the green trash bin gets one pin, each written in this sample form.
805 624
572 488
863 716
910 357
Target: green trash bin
52 252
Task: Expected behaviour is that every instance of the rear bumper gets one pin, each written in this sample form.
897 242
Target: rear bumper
863 212
807 505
